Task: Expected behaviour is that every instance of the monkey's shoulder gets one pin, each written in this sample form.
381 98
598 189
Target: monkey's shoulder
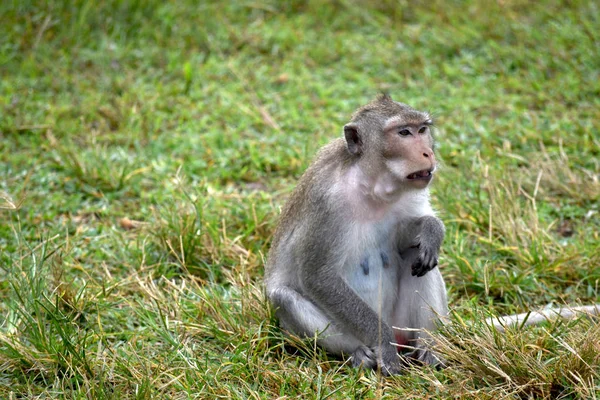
311 205
313 190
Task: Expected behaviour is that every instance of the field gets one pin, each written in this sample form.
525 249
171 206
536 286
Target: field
147 147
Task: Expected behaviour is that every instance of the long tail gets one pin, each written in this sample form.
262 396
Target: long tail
537 317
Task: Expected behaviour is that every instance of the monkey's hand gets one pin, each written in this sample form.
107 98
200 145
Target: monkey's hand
428 241
427 258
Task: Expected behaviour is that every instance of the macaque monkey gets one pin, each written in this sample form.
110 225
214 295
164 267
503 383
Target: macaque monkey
358 242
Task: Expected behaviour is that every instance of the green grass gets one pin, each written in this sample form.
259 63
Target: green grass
146 149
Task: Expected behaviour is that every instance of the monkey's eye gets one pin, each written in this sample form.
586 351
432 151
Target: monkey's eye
423 129
404 132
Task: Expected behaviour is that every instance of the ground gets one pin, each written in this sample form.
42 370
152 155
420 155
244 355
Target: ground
146 149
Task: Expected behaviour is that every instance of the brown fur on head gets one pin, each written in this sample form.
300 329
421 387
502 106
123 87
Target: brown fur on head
384 107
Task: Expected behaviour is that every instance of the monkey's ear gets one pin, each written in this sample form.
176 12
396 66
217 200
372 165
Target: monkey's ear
353 140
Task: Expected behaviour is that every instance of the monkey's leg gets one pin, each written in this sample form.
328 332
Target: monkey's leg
300 316
421 302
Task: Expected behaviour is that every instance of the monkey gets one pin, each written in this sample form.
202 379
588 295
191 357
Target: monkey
353 259
357 245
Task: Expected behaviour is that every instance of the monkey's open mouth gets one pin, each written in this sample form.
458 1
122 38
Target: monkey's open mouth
423 175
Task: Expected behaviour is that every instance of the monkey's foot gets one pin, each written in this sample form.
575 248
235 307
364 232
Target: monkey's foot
389 364
364 357
422 356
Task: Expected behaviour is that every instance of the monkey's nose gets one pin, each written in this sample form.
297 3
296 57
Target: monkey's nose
428 154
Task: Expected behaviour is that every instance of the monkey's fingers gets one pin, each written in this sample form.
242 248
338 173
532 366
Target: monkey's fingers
424 264
417 269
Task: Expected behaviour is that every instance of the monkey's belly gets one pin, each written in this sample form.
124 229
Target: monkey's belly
374 277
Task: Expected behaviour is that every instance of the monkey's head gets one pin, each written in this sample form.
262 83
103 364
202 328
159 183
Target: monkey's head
393 136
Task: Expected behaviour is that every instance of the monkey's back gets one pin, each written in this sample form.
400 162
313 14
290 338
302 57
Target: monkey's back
307 213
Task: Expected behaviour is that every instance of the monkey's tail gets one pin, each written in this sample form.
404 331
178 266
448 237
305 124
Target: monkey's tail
538 317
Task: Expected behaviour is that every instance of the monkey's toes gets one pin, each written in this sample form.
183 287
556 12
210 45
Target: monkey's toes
392 368
364 357
422 356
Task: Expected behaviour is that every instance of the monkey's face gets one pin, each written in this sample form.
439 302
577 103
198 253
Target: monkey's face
395 136
408 150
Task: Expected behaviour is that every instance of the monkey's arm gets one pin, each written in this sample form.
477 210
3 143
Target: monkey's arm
429 234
